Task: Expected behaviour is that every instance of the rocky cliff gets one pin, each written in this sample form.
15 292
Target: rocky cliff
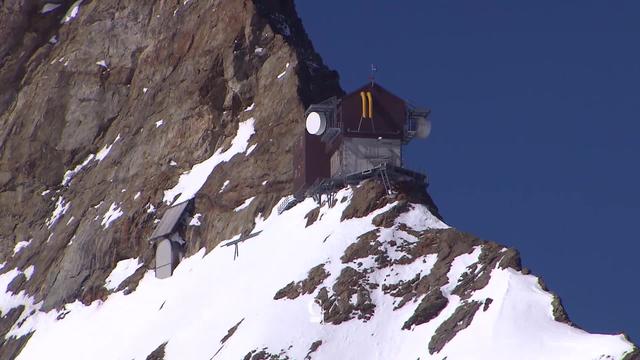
110 111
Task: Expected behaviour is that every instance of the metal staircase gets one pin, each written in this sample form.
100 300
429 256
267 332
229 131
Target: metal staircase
385 179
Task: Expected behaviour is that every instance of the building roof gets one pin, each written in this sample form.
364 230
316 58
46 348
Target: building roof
169 220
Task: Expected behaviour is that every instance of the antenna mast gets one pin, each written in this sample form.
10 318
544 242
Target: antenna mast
372 76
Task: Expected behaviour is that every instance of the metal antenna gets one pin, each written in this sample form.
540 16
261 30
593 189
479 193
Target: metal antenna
372 76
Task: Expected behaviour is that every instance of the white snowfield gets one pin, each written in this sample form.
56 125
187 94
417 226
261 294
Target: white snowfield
209 294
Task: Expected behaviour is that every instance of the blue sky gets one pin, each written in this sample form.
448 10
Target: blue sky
536 128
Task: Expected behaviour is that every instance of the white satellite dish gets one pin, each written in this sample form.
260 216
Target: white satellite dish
316 123
423 128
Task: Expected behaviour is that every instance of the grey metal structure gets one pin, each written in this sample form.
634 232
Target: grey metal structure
168 242
236 253
386 173
360 154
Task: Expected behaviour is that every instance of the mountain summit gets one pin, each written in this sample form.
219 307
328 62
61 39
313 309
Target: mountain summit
125 125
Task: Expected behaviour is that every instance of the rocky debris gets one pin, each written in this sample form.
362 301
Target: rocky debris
158 353
11 347
430 307
447 244
558 311
367 245
265 355
315 277
477 277
350 298
16 284
459 320
314 346
388 218
231 332
487 303
312 216
367 197
8 319
633 355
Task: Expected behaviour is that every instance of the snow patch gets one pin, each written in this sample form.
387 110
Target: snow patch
191 181
21 245
250 149
106 149
48 7
420 218
61 208
28 272
72 12
159 123
122 271
68 176
136 196
224 186
244 204
102 63
250 107
111 215
9 300
195 220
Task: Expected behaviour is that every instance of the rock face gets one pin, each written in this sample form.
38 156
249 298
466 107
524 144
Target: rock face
107 110
162 86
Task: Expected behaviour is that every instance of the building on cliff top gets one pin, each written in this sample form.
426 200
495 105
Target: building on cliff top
347 137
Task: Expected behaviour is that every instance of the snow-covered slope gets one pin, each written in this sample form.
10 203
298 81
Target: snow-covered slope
330 288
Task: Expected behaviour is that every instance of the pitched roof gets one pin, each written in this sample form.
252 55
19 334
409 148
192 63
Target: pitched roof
169 220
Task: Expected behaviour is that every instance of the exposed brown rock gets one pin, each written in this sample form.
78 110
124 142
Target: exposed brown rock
558 311
314 346
8 319
447 244
309 285
633 355
487 303
265 355
337 307
158 353
477 277
388 218
367 197
16 284
11 347
367 245
430 307
459 320
511 259
230 332
312 216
